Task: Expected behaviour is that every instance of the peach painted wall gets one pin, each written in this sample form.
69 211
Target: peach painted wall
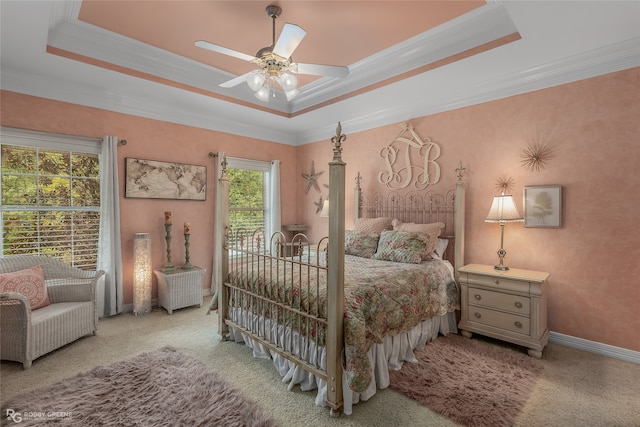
155 140
593 127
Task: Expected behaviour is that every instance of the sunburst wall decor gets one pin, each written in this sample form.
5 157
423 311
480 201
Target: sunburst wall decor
536 156
505 184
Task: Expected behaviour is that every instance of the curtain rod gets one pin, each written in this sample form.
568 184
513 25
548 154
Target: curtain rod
214 155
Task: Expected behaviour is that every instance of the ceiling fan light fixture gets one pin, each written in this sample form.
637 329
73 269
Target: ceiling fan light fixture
288 82
263 93
255 80
274 62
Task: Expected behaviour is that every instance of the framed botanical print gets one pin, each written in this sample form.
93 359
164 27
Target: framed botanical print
543 206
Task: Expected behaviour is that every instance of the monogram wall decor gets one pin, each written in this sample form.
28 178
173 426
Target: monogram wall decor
401 173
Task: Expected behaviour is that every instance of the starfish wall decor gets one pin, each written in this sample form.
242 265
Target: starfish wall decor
319 205
312 178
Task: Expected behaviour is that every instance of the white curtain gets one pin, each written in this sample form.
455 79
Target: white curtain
274 199
110 300
218 221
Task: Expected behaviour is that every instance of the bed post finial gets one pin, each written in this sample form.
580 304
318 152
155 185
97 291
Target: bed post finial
358 179
337 141
460 171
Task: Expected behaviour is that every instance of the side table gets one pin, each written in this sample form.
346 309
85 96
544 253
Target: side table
179 288
508 305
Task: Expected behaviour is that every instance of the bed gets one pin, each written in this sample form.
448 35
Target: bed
338 314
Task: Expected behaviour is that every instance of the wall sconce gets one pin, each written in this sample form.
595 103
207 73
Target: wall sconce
141 273
503 210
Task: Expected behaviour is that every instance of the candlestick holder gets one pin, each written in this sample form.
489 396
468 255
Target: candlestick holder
168 266
187 265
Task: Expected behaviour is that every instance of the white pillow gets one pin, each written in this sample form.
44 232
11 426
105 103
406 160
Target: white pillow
441 246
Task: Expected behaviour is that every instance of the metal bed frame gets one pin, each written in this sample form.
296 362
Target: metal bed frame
261 317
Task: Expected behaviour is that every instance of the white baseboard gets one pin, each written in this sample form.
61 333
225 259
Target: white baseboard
595 347
554 337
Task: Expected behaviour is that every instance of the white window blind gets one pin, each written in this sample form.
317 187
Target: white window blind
248 203
50 196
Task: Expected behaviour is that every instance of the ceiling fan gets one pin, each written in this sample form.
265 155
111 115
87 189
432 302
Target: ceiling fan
274 62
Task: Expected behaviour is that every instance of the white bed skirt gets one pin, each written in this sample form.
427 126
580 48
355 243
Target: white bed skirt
389 355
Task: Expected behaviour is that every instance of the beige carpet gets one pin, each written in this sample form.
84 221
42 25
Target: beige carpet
469 381
576 388
158 388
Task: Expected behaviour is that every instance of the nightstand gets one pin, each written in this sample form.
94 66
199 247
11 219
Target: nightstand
507 305
179 288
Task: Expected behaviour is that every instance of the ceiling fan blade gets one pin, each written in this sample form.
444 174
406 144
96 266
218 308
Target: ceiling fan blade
288 41
225 51
235 81
323 70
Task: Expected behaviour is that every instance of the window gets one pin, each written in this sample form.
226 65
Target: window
50 196
248 190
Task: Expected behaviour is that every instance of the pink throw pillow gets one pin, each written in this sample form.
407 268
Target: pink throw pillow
30 283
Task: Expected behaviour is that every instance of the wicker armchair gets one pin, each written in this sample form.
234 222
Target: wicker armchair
26 335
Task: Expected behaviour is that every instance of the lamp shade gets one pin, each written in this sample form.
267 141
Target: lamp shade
141 273
503 209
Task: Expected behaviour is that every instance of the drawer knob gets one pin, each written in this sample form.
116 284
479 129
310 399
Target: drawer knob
497 282
518 324
518 304
478 315
478 297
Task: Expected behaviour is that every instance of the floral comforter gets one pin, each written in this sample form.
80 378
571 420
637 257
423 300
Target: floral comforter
382 298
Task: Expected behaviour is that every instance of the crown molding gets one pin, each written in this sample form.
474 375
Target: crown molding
609 59
476 28
207 113
194 110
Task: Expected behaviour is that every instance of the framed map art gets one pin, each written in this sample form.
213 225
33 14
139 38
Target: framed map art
150 179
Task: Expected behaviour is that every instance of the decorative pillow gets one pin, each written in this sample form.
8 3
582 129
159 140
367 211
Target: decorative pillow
373 225
30 283
360 243
441 246
401 246
432 231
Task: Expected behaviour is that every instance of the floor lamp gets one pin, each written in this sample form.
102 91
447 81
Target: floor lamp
141 273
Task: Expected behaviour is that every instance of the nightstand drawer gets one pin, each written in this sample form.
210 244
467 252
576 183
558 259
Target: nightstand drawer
500 282
506 302
498 319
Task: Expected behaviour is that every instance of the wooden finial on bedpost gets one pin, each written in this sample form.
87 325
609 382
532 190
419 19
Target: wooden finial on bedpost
460 171
337 142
